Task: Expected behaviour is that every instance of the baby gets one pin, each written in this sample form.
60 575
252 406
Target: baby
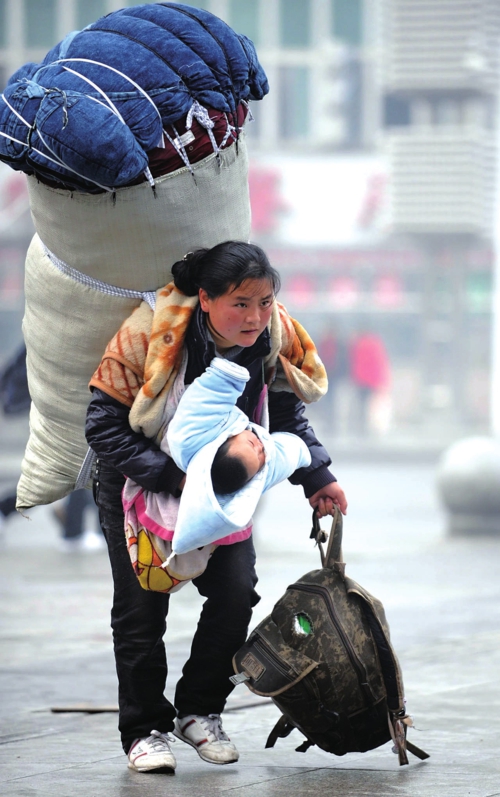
229 461
237 461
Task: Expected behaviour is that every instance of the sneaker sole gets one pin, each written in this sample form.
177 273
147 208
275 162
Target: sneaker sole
151 770
200 749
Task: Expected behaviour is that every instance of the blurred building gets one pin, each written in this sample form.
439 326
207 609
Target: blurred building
15 235
372 175
313 50
440 77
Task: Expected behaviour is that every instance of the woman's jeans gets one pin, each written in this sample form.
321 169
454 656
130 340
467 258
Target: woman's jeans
138 620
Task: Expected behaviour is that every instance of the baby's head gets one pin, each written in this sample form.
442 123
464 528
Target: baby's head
236 462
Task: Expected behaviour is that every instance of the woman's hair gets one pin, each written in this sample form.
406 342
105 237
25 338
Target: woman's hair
224 266
228 473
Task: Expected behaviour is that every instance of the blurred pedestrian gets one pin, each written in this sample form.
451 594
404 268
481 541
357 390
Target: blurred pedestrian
14 400
7 507
334 354
14 393
370 376
79 520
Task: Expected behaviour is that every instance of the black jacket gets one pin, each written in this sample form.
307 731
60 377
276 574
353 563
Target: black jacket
109 433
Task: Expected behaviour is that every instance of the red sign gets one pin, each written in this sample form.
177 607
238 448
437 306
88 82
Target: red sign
388 291
301 291
265 199
343 292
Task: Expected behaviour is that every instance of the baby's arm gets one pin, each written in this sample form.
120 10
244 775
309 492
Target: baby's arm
290 453
206 406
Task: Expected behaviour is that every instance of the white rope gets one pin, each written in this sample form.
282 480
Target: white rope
202 116
87 467
86 470
98 285
230 132
65 166
147 172
112 68
16 112
58 162
53 160
97 88
103 93
149 177
98 101
250 116
179 147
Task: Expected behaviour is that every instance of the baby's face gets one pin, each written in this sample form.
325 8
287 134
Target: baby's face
247 447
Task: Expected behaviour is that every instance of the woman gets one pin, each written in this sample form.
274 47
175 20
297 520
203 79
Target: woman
222 302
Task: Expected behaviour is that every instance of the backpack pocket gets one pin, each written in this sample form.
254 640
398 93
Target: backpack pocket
271 666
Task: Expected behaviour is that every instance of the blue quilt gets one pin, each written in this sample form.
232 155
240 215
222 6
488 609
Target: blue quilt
88 114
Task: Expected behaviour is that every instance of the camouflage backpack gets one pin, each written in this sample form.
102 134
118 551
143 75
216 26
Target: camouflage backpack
324 656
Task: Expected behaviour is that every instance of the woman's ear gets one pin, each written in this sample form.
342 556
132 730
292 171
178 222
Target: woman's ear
204 300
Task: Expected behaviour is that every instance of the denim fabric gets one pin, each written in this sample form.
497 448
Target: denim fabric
176 55
138 620
116 164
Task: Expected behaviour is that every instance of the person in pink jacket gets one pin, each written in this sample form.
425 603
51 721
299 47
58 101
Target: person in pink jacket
369 372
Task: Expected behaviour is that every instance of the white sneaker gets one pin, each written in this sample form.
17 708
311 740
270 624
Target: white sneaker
208 738
93 540
69 544
152 753
89 542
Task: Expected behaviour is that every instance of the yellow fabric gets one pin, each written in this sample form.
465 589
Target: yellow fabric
148 565
148 554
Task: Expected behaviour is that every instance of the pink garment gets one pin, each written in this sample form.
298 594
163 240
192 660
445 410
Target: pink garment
369 362
157 512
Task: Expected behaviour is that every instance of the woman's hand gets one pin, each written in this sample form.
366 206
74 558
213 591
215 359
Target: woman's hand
327 498
181 484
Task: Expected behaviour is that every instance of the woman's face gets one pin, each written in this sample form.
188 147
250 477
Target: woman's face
241 314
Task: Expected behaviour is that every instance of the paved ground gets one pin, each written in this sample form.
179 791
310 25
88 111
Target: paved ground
442 600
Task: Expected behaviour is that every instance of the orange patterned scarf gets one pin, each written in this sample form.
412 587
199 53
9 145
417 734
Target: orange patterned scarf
141 361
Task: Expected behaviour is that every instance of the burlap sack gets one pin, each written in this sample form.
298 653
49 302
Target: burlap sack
123 244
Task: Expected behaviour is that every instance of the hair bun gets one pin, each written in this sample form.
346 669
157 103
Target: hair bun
185 272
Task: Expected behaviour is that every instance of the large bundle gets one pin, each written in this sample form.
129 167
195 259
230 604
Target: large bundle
131 133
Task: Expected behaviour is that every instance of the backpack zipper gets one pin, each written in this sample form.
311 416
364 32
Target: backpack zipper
395 674
354 659
268 651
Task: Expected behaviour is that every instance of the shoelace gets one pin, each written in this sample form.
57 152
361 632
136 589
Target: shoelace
159 741
213 725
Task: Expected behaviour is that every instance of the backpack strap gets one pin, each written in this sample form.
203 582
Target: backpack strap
398 727
334 549
281 730
412 748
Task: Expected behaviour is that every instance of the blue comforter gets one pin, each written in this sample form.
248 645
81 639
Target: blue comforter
88 114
